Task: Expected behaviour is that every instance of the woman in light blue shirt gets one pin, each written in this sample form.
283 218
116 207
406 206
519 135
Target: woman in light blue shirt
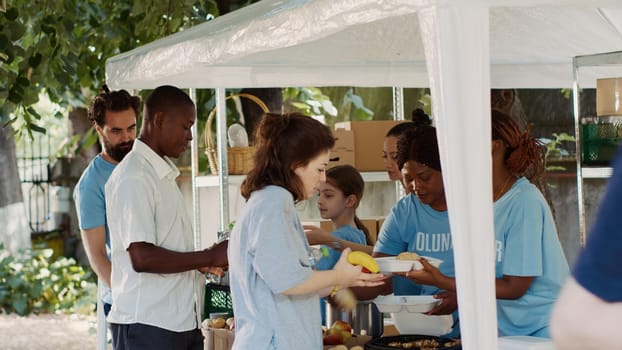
530 265
274 288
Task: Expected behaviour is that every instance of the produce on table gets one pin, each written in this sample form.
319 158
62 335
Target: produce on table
230 323
217 323
339 347
365 260
338 333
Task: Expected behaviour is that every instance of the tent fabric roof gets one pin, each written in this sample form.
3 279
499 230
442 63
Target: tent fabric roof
364 43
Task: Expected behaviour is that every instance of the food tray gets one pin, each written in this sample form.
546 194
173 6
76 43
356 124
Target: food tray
409 303
390 264
382 343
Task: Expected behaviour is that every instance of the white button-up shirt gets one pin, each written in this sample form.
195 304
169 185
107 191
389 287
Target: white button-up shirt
144 204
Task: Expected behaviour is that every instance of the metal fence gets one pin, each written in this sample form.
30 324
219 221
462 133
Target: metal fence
33 162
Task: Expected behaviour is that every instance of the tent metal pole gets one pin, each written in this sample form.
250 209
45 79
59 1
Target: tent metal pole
398 103
194 156
223 168
577 132
398 114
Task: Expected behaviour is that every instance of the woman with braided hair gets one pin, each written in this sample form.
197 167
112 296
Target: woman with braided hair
530 266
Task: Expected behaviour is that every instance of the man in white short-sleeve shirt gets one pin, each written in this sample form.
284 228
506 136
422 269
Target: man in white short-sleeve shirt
156 275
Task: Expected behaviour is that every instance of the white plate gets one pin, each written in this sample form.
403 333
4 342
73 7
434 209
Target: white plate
390 264
405 303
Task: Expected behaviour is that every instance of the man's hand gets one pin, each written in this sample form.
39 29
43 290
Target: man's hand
216 255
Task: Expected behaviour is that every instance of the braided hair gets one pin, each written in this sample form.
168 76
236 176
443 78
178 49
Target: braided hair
524 153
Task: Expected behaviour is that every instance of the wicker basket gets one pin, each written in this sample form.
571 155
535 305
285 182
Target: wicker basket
239 159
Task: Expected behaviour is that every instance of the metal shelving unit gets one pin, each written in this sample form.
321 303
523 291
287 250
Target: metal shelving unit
213 181
223 179
583 171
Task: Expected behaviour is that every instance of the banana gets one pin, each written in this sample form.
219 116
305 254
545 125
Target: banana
365 260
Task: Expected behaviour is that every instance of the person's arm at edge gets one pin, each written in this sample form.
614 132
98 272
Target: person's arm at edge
582 321
147 257
506 287
316 235
94 240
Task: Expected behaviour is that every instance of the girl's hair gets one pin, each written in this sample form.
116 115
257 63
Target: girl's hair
284 142
350 182
418 118
524 154
419 145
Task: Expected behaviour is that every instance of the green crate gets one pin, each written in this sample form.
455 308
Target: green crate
600 142
217 299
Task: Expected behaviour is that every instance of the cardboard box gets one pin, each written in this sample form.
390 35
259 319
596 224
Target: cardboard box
343 151
368 141
608 97
217 338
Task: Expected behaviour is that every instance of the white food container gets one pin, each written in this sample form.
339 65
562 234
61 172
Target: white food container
525 343
389 264
408 315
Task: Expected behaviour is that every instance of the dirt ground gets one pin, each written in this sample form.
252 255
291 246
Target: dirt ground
67 332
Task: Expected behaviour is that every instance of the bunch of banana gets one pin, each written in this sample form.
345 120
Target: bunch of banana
365 260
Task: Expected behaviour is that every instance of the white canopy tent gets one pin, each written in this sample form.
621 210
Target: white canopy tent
459 48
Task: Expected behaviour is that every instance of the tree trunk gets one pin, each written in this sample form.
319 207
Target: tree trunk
14 233
10 188
272 97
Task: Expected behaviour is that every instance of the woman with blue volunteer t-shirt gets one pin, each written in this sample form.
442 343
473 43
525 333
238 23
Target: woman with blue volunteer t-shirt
418 222
530 265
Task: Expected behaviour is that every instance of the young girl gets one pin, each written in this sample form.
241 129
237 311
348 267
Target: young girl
339 197
274 286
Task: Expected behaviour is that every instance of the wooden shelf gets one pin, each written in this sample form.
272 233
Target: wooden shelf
596 172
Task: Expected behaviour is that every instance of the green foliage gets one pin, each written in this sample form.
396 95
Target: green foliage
555 149
309 101
31 283
358 109
60 47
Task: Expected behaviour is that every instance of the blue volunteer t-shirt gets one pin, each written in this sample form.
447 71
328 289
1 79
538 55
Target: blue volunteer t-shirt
596 269
527 244
412 226
90 200
347 233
